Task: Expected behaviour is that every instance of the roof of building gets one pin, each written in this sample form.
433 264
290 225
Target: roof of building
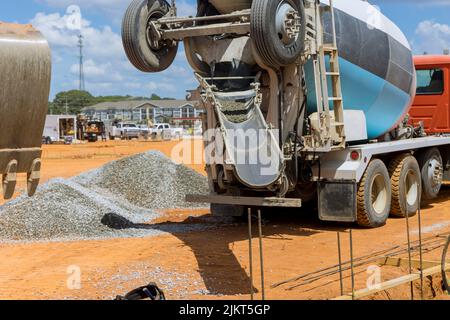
130 104
170 103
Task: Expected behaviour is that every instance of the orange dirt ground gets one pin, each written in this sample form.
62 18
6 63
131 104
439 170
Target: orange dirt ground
210 264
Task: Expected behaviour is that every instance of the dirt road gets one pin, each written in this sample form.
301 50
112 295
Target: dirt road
211 264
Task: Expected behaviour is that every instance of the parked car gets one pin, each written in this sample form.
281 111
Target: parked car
166 132
124 130
145 130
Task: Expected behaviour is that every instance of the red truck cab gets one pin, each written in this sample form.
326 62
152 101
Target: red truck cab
431 104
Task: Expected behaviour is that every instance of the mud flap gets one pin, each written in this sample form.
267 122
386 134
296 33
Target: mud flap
337 201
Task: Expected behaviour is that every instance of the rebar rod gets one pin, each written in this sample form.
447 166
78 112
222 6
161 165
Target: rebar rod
250 249
341 281
409 253
377 258
419 217
351 264
261 256
369 258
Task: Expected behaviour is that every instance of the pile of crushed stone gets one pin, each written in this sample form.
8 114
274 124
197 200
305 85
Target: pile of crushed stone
149 180
116 200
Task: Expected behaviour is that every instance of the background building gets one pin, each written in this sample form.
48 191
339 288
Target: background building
176 112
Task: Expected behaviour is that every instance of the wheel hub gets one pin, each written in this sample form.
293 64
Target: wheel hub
153 36
288 23
435 172
378 194
412 188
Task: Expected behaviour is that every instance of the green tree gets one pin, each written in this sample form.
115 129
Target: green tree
71 102
155 97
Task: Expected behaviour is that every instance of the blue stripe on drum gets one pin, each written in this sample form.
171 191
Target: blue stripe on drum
383 103
372 50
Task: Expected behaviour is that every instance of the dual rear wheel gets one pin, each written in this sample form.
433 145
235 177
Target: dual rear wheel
278 31
397 190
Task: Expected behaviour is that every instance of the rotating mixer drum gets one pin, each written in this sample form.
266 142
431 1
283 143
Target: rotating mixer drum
25 71
376 62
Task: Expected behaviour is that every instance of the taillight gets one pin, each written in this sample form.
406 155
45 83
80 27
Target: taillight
354 155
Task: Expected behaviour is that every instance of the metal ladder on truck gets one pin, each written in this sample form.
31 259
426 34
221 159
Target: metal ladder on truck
329 130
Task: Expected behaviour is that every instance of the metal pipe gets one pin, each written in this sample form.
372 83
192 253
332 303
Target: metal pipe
250 247
261 255
419 216
340 263
333 22
351 264
409 253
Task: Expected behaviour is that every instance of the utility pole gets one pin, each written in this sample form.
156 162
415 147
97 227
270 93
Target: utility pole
81 80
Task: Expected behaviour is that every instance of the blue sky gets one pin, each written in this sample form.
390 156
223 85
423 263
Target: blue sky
425 23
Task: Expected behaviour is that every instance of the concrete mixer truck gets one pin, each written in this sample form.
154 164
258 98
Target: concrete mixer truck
25 64
305 100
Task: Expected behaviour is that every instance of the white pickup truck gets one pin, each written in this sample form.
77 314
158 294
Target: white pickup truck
124 130
166 132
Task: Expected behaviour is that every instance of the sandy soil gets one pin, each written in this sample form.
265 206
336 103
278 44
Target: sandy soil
211 264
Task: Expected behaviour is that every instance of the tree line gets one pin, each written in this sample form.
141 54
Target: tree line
71 102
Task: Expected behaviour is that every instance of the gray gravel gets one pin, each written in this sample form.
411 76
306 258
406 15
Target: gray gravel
176 285
148 180
117 200
235 111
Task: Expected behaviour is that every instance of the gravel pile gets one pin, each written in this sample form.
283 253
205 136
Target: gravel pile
117 200
148 180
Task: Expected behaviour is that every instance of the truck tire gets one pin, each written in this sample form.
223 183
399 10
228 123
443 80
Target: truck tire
138 39
405 185
374 196
432 171
276 44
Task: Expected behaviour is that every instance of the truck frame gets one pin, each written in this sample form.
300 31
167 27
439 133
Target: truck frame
326 156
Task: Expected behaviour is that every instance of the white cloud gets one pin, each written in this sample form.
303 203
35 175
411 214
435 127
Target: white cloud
133 85
99 42
431 37
107 69
164 85
115 9
95 70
